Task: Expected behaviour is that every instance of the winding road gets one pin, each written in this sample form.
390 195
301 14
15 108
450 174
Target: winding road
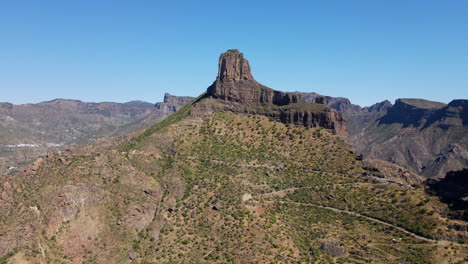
337 210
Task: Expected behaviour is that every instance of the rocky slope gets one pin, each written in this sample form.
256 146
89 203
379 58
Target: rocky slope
210 184
30 130
429 138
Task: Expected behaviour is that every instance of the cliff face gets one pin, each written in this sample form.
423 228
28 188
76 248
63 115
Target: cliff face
236 83
240 92
340 104
172 103
410 112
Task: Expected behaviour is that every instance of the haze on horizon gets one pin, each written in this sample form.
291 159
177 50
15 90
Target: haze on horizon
367 51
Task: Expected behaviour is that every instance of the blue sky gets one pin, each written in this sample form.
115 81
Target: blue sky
367 51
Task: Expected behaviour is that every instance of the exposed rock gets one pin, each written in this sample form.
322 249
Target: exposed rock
338 103
333 248
140 216
240 92
68 203
378 107
235 83
133 255
410 112
217 206
172 103
232 65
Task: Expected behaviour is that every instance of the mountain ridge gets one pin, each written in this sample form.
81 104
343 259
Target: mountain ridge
31 130
214 184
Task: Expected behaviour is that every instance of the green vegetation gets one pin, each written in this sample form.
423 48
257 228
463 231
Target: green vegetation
178 116
230 188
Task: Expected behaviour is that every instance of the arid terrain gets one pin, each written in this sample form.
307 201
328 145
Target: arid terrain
32 130
241 174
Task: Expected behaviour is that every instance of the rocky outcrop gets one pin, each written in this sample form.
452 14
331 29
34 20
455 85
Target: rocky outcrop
452 115
172 103
180 100
236 83
232 65
333 248
338 103
326 118
378 107
238 91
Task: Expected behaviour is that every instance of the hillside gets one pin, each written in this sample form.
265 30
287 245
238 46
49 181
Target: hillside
429 138
31 130
220 183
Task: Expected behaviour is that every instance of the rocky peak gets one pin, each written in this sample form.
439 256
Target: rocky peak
235 83
379 107
182 100
410 112
238 91
232 65
172 103
459 103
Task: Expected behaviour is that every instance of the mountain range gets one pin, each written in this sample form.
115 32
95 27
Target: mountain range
32 130
243 174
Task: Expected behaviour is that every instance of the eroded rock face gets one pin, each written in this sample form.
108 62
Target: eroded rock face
379 107
172 103
240 92
232 65
236 83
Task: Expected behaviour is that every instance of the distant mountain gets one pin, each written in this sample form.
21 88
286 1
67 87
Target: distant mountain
429 138
30 130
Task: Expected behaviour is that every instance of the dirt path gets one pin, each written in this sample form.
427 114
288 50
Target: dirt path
282 193
439 242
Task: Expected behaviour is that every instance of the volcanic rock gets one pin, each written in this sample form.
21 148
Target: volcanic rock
238 91
236 83
172 103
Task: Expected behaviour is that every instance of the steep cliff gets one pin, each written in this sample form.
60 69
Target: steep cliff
172 103
237 91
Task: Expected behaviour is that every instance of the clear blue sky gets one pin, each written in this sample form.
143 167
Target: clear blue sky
119 51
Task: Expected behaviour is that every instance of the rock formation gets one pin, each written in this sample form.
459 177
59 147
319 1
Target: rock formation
236 83
172 103
412 112
378 107
338 103
240 92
